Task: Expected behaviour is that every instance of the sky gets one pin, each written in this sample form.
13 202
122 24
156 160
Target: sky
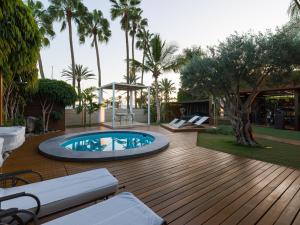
186 23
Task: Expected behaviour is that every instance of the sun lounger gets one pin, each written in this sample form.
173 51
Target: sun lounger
60 193
173 122
201 121
183 123
179 124
122 209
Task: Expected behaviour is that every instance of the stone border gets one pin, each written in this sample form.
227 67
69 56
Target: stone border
51 148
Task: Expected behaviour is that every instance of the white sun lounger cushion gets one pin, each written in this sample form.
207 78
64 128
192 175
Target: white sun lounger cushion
173 121
122 209
193 119
64 192
14 137
201 121
179 124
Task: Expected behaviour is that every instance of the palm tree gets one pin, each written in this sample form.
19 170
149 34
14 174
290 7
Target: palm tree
160 59
123 9
137 23
167 87
96 27
81 73
144 37
45 25
294 9
65 11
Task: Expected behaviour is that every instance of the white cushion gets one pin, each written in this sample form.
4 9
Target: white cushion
123 209
64 192
173 121
202 120
193 119
179 124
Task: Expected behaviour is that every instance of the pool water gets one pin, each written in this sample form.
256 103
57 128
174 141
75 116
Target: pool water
108 141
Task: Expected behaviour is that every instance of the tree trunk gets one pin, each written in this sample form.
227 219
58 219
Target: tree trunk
79 92
72 49
240 121
127 66
98 61
157 103
133 67
41 66
48 117
142 76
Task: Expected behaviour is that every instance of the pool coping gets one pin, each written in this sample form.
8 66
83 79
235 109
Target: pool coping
51 148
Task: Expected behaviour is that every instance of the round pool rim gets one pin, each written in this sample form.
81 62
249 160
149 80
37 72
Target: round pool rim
52 148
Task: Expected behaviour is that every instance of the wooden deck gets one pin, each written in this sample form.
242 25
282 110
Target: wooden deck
186 184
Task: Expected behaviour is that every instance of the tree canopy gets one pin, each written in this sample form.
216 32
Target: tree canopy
56 91
20 38
243 61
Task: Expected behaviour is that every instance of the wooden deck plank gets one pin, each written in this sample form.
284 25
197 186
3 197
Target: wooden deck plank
290 212
187 184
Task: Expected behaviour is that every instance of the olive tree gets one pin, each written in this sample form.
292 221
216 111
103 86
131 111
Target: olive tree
243 61
51 92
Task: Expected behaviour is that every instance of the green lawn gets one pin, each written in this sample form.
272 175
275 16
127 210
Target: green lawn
274 152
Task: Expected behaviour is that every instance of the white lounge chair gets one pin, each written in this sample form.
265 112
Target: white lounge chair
201 121
122 209
14 137
179 124
183 123
173 121
60 193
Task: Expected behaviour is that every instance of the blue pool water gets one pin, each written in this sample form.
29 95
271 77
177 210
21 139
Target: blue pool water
108 141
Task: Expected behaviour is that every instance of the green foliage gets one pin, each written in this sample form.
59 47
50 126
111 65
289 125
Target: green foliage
88 106
251 61
167 88
20 42
123 9
94 25
80 73
19 38
43 20
19 120
64 10
56 91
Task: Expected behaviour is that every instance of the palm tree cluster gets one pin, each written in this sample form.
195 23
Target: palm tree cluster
157 56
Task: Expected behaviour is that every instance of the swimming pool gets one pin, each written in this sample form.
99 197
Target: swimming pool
108 141
103 145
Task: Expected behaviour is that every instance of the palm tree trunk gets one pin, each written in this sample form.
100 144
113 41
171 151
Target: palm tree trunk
157 100
41 66
79 91
127 59
71 48
98 60
142 76
133 68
